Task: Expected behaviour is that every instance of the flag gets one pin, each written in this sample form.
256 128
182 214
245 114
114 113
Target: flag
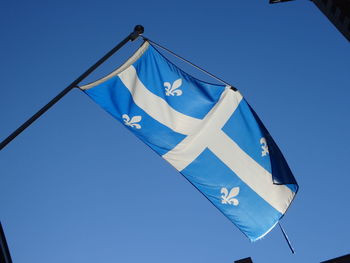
208 132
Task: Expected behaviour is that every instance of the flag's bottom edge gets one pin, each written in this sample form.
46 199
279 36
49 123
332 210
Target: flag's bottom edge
260 237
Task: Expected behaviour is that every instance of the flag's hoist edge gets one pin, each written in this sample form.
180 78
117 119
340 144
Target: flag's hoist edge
222 131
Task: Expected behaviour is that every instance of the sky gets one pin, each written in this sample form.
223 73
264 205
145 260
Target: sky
77 186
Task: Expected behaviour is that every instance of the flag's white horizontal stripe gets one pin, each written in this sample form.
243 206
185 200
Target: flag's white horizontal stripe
193 145
155 106
250 172
138 53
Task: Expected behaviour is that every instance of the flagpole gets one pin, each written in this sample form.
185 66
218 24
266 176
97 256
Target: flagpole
286 238
5 256
138 30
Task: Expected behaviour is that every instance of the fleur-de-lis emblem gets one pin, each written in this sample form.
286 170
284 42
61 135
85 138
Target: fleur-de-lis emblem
173 90
133 122
264 147
228 198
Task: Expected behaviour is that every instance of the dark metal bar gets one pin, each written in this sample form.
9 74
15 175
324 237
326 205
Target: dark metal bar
244 260
342 259
5 256
278 1
138 30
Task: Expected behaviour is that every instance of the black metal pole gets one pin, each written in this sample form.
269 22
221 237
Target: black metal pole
138 30
5 256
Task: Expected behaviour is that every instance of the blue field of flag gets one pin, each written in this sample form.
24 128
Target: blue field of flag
208 132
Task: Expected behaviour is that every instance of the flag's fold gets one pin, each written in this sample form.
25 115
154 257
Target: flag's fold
208 132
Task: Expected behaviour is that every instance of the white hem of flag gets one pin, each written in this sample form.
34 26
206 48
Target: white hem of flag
263 235
138 53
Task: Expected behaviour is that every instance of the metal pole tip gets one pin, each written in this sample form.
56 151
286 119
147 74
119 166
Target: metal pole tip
139 29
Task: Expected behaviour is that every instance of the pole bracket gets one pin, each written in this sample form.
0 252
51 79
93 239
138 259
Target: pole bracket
138 30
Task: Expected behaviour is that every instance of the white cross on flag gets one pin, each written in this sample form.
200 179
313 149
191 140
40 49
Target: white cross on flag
208 132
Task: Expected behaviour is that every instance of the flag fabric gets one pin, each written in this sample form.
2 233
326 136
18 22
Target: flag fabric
208 132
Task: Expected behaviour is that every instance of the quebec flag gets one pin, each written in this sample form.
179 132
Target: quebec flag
208 132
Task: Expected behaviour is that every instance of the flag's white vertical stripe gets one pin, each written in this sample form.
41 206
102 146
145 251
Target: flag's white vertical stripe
193 145
138 53
250 172
155 106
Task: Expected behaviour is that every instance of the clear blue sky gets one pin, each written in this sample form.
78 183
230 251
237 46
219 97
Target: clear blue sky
78 187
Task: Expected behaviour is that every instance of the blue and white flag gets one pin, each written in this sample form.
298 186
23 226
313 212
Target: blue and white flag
208 132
